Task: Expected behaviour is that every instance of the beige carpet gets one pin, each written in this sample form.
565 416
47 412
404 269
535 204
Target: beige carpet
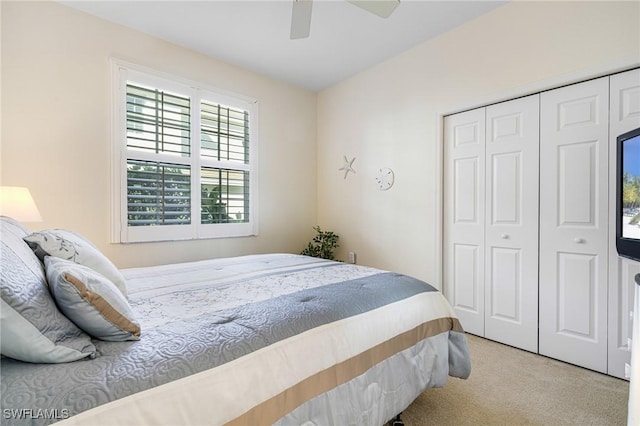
513 387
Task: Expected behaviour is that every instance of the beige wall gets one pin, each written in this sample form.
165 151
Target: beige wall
55 123
390 116
55 130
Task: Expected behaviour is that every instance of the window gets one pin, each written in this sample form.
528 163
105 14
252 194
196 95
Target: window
184 159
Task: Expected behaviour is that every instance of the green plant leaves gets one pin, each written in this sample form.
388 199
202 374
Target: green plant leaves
322 245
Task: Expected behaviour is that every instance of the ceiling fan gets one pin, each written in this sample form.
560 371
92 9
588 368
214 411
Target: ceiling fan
301 13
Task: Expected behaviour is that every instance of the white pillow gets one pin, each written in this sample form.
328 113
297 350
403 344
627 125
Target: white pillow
91 301
74 247
32 329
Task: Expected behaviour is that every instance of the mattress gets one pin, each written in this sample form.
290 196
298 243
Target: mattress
263 339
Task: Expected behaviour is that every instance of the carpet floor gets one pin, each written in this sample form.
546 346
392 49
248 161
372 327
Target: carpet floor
509 386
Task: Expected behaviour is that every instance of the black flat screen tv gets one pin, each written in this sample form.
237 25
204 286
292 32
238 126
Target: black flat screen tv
628 195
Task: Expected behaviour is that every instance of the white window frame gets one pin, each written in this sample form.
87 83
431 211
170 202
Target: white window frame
121 73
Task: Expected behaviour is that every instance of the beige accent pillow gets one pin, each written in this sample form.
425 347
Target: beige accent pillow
91 301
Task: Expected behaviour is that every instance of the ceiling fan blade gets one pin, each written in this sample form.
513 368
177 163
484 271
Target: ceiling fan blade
382 8
301 18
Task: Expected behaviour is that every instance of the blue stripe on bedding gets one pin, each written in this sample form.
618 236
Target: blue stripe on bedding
185 347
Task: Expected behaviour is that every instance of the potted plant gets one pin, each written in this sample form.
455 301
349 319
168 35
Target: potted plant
322 244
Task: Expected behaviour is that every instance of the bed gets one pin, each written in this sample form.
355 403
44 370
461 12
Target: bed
259 339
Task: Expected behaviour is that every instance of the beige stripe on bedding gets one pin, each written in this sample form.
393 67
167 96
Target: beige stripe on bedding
269 411
231 391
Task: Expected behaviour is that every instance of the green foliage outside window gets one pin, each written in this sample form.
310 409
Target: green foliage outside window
158 193
631 195
213 209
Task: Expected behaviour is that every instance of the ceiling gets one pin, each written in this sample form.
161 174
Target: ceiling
344 39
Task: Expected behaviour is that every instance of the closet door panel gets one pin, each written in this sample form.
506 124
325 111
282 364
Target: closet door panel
576 295
464 217
511 227
574 144
624 116
466 281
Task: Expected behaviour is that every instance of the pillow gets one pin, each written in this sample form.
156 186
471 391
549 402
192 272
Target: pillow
71 246
16 227
31 326
90 300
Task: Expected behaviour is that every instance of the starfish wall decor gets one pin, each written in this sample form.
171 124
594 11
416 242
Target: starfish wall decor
348 166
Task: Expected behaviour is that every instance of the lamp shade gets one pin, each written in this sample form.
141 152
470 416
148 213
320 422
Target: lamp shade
17 203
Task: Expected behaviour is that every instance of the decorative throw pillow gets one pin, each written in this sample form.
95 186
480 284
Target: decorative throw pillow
90 300
32 327
74 247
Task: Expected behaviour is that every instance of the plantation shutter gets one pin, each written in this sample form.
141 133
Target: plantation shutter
225 196
158 194
224 139
158 122
224 133
185 156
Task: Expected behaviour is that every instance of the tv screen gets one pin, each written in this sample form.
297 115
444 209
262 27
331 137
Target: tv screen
628 195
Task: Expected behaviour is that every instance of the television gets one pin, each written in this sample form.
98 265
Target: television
628 195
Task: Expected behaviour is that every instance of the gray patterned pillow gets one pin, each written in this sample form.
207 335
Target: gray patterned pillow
90 300
71 246
32 327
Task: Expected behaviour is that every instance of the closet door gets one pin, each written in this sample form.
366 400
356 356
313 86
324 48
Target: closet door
464 196
624 116
511 223
574 225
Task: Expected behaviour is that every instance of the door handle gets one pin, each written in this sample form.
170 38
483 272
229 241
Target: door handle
579 240
504 236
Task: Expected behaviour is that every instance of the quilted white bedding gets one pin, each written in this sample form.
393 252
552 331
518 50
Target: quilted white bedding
262 339
164 293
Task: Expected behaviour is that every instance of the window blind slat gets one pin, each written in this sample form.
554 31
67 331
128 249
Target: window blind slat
225 196
224 133
158 193
158 121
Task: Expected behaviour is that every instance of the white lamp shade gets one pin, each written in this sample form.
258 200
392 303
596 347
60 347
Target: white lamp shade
17 203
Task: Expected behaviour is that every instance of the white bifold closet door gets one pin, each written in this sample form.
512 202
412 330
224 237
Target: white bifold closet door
574 208
491 220
464 217
511 225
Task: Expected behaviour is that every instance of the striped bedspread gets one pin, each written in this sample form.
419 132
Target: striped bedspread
252 340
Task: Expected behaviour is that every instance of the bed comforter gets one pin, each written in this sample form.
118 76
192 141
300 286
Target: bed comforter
264 339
